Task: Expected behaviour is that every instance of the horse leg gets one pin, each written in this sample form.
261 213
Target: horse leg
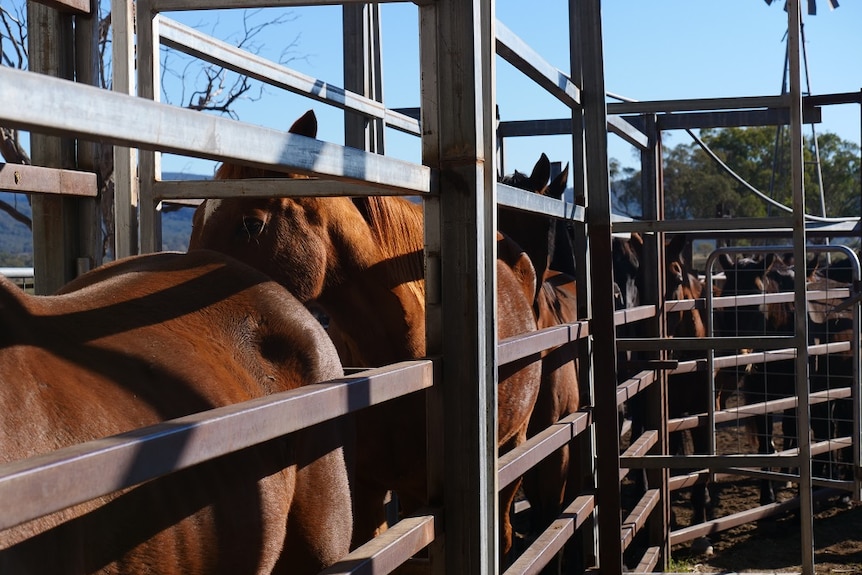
320 521
763 432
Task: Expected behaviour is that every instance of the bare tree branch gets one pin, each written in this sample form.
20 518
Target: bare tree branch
14 35
16 215
10 147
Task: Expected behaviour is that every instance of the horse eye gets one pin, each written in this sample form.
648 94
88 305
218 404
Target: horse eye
252 226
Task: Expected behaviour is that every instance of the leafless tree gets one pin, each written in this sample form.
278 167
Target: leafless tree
201 86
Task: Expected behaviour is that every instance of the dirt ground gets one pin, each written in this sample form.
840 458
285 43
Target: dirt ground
771 545
774 545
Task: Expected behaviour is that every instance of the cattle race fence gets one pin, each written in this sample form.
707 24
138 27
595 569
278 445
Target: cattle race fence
454 95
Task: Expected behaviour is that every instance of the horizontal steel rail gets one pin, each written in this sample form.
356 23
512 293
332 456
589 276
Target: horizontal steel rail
697 104
636 519
743 517
831 295
753 409
72 6
203 46
513 464
758 357
634 385
520 346
388 551
536 203
171 5
552 540
21 178
53 481
60 107
520 55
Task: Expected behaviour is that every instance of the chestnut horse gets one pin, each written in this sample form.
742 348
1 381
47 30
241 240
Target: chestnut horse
153 338
362 261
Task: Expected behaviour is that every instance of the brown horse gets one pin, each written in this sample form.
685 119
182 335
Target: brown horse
552 482
362 261
153 338
688 393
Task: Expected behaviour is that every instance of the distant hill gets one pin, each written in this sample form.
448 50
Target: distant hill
16 240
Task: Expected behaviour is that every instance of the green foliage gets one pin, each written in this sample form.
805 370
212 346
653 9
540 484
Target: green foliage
695 186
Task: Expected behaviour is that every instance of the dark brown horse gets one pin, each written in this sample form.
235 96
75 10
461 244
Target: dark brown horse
361 260
552 482
688 393
153 338
771 274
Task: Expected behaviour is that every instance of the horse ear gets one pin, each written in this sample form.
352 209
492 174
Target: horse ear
305 125
674 248
558 185
541 173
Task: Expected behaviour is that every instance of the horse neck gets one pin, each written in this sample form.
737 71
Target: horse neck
378 300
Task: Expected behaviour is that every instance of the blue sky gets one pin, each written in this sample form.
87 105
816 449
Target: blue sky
653 51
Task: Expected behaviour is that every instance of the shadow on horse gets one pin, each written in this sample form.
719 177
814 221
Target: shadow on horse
153 338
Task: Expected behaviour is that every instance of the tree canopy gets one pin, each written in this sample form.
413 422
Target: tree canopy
696 186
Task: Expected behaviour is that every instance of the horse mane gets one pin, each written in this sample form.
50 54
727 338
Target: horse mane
398 229
228 171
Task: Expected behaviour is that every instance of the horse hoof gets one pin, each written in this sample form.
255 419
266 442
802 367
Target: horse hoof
702 546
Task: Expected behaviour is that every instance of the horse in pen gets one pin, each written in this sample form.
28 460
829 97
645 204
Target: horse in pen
362 261
155 338
554 482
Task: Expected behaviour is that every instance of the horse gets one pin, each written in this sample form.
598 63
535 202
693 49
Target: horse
152 338
688 392
772 380
835 370
553 482
361 260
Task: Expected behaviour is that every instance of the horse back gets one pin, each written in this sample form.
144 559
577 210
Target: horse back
152 338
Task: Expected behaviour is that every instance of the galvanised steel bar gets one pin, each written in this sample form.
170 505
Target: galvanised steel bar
51 482
38 180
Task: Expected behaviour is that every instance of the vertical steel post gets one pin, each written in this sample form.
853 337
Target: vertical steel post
457 48
601 281
794 28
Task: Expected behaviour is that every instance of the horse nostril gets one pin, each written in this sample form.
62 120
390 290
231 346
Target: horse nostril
253 226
